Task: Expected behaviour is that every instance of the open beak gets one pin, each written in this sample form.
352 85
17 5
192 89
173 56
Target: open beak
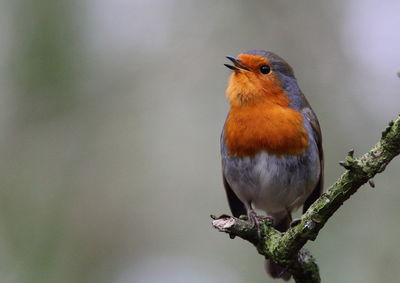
237 64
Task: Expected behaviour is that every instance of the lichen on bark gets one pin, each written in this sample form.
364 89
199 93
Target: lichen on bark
287 248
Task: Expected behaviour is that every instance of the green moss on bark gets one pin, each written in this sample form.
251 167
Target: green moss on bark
287 248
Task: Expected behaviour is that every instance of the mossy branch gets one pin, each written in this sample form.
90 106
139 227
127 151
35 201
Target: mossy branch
287 248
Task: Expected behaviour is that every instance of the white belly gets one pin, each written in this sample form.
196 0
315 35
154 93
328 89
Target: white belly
271 183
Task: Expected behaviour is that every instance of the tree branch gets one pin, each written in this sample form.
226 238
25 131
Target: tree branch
287 248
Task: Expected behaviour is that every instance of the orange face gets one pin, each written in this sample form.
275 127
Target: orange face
260 118
253 80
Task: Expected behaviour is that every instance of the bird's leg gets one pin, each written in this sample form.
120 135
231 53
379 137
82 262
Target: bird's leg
253 217
289 213
292 222
254 220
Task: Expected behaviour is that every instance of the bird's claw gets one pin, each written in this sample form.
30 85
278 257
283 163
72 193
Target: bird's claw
255 220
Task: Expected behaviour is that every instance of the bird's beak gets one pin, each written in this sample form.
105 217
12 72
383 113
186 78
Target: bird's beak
238 65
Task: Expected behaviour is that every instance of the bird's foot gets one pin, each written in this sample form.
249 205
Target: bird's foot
256 223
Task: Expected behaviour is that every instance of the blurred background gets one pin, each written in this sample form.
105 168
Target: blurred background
110 116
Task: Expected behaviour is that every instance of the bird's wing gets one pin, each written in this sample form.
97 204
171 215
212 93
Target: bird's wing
312 118
235 204
237 207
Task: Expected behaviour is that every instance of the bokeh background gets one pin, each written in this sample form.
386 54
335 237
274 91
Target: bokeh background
110 116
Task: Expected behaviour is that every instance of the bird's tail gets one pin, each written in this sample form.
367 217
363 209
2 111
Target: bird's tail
273 269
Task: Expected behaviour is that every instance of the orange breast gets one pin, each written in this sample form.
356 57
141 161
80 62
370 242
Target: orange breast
265 126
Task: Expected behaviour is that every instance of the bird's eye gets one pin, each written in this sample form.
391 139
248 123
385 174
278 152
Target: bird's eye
265 69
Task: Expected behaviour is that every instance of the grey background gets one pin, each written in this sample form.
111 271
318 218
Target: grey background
110 116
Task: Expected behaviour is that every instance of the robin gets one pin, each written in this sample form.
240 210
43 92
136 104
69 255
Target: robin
271 145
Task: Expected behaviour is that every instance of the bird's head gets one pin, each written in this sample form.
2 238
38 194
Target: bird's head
258 76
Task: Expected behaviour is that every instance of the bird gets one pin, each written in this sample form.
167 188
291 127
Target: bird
271 144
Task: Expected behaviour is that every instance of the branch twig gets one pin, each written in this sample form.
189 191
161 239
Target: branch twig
287 248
